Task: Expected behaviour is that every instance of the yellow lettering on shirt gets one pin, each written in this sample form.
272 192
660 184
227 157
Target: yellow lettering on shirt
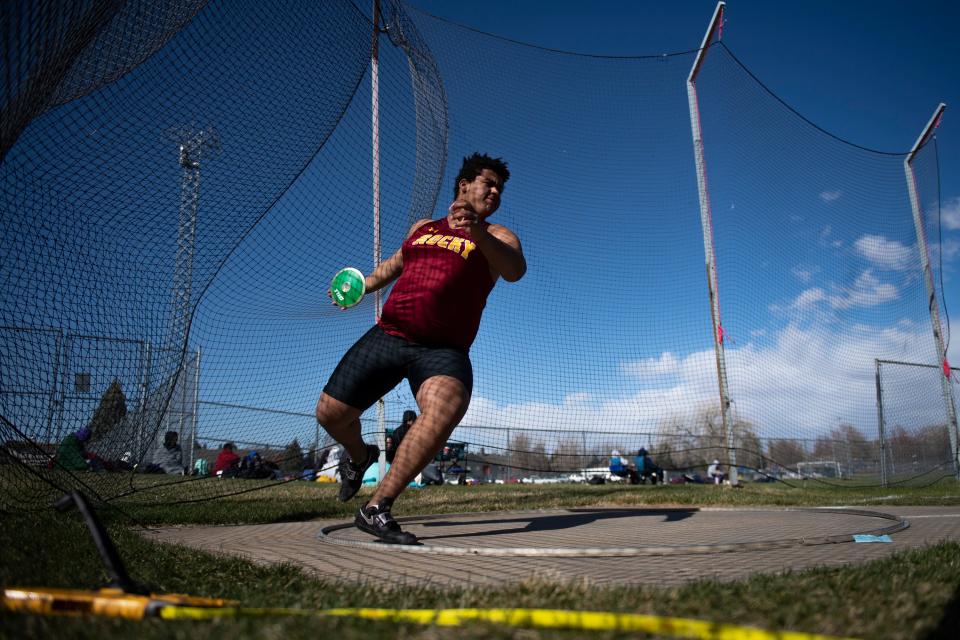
458 245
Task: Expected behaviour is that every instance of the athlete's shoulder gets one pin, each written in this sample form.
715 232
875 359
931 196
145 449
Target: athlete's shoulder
416 225
502 233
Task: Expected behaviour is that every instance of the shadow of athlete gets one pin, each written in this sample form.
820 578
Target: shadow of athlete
554 522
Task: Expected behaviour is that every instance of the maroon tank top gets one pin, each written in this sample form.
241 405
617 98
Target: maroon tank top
442 290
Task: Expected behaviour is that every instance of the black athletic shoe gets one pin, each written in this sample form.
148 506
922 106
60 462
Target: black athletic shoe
351 476
377 520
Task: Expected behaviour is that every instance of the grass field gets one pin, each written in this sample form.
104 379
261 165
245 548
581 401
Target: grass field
913 594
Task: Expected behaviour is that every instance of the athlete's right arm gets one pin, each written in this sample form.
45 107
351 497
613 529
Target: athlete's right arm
390 269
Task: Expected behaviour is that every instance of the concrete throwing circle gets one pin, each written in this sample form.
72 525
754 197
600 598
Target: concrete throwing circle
624 531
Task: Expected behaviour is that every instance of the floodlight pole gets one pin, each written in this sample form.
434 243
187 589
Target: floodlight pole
706 222
932 304
192 146
375 144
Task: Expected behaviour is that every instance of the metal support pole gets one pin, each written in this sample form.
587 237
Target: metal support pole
196 409
932 304
52 408
147 349
375 144
881 428
706 222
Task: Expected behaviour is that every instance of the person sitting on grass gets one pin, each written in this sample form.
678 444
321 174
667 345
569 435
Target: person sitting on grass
647 468
621 468
715 473
169 456
72 453
228 462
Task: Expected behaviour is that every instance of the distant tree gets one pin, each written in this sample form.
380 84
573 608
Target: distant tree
848 446
934 444
110 412
567 455
695 443
292 457
527 456
786 453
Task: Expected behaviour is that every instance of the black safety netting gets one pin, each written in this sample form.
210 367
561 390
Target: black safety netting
181 181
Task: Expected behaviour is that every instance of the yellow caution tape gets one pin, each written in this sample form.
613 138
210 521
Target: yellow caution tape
116 603
530 618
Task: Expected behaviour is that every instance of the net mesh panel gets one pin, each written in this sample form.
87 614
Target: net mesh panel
181 182
819 267
916 434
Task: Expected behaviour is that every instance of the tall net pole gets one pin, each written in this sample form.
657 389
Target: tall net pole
706 221
375 146
932 304
881 425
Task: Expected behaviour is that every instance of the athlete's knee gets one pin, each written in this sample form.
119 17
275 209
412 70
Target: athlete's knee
331 412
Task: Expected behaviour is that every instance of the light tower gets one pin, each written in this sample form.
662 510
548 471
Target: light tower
193 146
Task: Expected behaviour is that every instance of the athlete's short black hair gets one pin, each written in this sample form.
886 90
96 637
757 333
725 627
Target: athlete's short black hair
475 164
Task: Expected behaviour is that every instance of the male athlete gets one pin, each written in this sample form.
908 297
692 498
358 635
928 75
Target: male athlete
446 270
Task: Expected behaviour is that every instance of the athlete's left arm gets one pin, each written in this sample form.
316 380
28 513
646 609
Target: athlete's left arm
502 249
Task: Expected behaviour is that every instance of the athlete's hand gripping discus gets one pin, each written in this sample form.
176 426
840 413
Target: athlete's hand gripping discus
347 288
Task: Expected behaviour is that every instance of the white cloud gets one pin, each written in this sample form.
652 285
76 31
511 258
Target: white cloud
950 214
886 253
809 298
830 196
647 368
867 291
800 384
801 274
950 249
826 237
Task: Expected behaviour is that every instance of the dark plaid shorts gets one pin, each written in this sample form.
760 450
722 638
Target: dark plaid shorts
378 361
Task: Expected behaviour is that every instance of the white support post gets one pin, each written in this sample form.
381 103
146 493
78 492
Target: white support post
932 304
375 143
706 221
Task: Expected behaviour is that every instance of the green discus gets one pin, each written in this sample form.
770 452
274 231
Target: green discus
347 287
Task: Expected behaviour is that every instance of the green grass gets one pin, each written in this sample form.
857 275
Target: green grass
905 596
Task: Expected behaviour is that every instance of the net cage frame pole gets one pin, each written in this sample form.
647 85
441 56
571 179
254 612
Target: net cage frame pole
706 222
881 425
194 418
375 161
932 304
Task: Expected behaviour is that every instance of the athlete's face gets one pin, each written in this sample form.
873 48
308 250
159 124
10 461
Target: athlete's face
483 194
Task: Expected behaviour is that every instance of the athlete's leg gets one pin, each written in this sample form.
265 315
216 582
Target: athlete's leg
342 422
369 369
443 400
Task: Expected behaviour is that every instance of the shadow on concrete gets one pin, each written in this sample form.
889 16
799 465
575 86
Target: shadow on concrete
551 522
